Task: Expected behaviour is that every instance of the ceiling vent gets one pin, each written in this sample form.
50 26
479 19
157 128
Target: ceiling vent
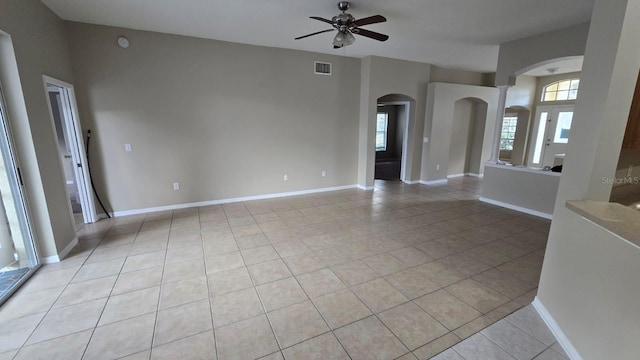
322 68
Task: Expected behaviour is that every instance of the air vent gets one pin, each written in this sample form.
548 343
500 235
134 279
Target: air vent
322 68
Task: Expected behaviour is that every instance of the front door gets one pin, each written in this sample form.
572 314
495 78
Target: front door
551 134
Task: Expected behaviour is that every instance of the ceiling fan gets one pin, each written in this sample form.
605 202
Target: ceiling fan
347 25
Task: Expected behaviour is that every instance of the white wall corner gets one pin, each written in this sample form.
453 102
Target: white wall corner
517 208
57 258
50 260
562 339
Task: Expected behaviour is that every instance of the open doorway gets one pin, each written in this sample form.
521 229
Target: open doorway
71 150
392 119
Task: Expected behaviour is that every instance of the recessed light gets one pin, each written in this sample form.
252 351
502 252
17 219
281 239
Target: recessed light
123 42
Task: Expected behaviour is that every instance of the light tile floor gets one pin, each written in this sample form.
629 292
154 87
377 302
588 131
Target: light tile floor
405 271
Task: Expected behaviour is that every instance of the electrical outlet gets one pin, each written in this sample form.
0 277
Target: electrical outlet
127 147
324 173
176 186
437 166
286 177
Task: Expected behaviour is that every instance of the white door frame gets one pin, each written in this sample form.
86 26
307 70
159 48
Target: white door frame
78 153
405 136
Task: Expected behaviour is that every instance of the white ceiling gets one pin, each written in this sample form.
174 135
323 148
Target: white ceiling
462 34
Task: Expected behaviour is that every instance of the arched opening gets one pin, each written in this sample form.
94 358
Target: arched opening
467 136
557 87
394 116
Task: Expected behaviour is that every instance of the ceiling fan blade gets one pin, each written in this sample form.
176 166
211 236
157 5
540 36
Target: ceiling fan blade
315 33
322 19
371 34
370 20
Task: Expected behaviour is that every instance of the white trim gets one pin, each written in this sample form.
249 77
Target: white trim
230 200
365 187
411 182
56 258
453 176
517 208
434 182
562 339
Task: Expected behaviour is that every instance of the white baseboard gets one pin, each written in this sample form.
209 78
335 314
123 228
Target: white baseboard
453 176
230 200
365 187
517 208
434 182
56 258
562 339
411 182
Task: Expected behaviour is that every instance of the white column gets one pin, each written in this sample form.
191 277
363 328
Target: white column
502 101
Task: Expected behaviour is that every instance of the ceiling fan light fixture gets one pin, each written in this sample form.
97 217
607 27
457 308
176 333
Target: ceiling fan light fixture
338 40
343 38
347 26
349 38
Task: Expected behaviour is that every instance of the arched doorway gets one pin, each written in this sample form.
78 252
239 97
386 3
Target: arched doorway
395 116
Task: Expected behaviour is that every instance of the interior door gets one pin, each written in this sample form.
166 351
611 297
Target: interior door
551 134
72 153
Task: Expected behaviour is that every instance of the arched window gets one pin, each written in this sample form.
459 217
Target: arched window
561 91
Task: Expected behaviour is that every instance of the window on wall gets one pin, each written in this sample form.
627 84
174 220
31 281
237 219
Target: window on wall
508 132
381 131
561 90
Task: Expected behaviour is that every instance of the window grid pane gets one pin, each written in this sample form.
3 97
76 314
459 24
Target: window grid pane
381 131
561 91
507 137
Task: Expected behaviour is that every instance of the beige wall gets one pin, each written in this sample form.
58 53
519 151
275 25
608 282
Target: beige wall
589 282
461 137
519 56
39 43
444 75
380 77
224 120
534 190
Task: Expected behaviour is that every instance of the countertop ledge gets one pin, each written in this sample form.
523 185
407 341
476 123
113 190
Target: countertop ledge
619 219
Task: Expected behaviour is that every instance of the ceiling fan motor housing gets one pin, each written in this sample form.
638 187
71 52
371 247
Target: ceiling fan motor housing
343 19
344 5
